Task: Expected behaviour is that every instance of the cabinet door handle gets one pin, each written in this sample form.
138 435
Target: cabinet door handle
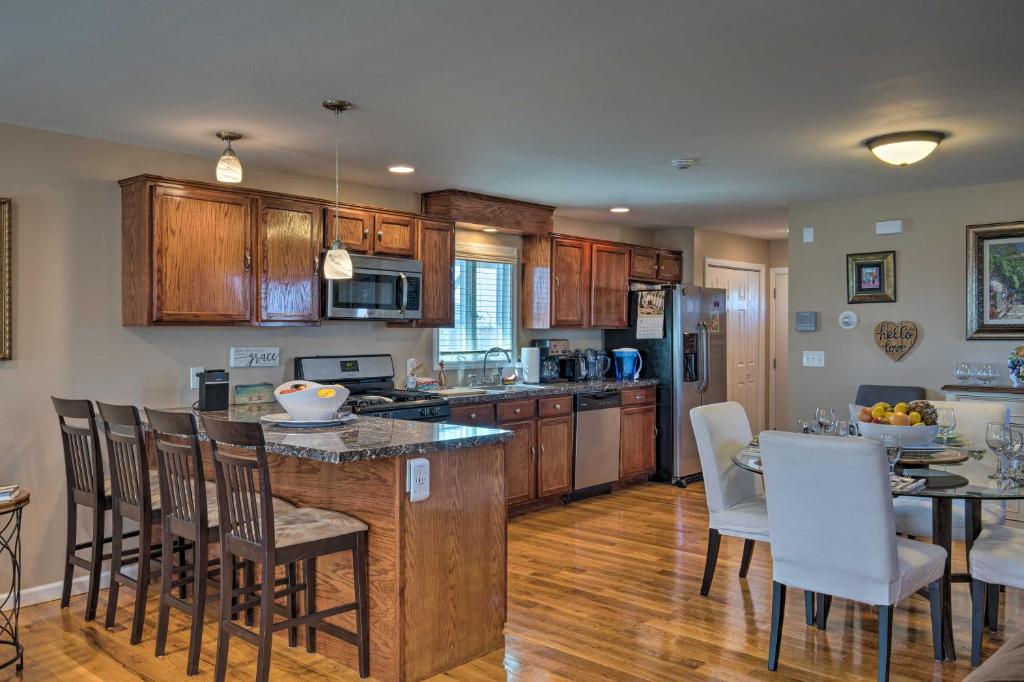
472 415
366 232
316 264
557 283
533 452
558 406
519 410
640 397
380 235
248 261
542 448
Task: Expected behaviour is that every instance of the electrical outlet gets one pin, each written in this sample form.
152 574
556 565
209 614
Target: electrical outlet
417 480
193 377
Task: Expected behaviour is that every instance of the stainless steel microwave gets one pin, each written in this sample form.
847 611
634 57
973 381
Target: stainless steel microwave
380 289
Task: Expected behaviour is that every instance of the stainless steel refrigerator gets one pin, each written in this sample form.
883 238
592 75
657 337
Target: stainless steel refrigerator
690 363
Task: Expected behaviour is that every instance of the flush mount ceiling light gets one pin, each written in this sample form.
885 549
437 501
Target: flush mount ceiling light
903 149
619 209
229 168
402 169
337 262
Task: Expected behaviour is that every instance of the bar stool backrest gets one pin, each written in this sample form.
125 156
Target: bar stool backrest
180 467
83 459
244 495
126 450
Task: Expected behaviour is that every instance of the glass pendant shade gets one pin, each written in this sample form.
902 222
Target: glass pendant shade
337 262
903 149
229 168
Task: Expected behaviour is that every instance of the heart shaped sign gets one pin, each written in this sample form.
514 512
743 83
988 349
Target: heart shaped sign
896 338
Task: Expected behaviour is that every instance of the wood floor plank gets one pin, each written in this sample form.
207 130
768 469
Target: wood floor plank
605 589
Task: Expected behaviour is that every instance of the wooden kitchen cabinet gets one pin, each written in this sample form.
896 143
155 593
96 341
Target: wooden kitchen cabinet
201 256
570 296
644 264
437 253
637 441
354 227
394 235
609 290
670 266
521 462
288 258
554 455
481 414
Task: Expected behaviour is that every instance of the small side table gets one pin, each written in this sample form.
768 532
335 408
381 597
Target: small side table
10 605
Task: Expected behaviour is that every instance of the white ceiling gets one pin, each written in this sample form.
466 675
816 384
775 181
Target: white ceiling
576 103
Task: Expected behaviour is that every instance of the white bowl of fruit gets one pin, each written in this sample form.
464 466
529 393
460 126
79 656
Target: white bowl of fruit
913 422
307 401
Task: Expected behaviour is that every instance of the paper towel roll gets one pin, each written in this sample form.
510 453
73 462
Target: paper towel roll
530 357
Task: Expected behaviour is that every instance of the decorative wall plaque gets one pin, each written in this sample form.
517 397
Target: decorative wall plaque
807 321
896 338
255 357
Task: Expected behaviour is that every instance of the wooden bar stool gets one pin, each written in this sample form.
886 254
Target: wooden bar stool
83 465
189 513
135 496
252 529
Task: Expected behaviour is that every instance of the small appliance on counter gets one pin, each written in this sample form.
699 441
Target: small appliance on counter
214 389
628 364
573 367
529 357
598 363
550 352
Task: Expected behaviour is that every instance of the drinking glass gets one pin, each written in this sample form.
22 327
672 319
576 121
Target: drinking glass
826 419
998 438
893 450
946 421
1014 454
963 372
987 373
805 426
842 428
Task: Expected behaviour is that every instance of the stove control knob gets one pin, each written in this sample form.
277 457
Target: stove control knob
433 411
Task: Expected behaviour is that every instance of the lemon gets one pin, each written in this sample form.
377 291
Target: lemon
878 411
918 424
901 408
884 406
915 418
326 393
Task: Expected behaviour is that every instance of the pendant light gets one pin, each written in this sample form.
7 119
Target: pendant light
337 262
903 149
229 168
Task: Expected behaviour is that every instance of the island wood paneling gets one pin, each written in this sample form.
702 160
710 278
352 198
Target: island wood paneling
481 209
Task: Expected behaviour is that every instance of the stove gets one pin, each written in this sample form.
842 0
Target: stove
371 382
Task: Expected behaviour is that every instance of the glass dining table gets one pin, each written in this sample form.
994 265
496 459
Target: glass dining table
967 480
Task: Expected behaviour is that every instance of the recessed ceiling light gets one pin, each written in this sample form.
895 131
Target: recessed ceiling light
903 149
490 229
401 169
619 209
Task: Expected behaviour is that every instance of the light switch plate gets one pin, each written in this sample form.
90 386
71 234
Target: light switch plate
193 377
417 480
814 358
808 235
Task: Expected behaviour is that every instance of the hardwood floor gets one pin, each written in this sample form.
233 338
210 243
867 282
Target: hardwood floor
603 589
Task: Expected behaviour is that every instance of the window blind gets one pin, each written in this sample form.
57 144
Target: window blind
484 306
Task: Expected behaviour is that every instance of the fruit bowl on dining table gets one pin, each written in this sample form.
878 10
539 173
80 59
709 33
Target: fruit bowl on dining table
308 401
901 420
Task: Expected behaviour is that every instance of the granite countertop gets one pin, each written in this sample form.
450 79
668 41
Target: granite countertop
527 391
362 438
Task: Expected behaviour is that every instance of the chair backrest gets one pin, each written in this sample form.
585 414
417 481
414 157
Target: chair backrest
180 469
126 450
869 394
974 416
244 496
830 515
83 458
722 430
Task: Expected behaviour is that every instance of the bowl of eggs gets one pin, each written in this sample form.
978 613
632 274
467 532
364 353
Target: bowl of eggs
309 401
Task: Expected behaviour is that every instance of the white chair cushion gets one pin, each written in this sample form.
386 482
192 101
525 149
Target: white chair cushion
746 519
920 563
914 516
997 556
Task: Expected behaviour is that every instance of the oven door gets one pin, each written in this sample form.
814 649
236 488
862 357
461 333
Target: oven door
375 294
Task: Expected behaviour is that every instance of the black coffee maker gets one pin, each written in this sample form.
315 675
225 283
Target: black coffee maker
573 367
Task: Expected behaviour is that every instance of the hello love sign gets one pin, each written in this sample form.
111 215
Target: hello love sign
896 338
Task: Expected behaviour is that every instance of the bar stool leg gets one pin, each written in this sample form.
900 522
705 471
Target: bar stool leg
142 580
309 571
226 600
166 577
117 540
96 564
362 597
72 540
293 603
182 561
266 633
200 566
249 569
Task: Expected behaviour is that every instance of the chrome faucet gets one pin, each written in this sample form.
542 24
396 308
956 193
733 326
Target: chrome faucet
488 379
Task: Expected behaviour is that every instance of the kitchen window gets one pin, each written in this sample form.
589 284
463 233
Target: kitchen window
485 305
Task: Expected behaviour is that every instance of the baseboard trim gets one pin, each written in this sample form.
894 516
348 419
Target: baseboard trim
51 591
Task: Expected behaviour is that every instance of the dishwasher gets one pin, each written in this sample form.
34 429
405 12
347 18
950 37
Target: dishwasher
596 455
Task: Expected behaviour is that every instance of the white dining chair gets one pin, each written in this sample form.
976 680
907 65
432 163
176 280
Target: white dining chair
914 514
736 507
997 558
833 531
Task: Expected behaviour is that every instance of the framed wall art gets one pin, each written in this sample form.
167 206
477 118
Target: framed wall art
995 281
6 265
871 277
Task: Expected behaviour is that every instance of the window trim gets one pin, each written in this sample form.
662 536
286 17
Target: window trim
489 253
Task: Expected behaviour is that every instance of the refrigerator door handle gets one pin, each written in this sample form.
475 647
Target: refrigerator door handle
705 361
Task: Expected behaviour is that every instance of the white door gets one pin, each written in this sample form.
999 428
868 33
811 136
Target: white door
743 337
779 347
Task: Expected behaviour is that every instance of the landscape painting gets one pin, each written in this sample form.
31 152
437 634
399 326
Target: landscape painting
995 281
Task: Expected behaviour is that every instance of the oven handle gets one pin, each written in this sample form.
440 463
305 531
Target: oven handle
405 291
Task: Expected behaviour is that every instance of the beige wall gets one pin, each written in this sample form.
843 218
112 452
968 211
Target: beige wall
778 255
930 287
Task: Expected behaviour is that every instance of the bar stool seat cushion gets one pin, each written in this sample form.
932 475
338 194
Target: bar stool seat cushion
997 556
914 516
299 525
213 512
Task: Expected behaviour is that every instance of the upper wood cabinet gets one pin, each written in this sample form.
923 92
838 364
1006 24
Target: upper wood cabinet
437 253
394 236
670 266
644 264
609 291
354 227
570 296
202 256
288 258
653 265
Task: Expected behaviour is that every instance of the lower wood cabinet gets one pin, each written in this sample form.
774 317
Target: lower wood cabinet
521 462
554 455
637 441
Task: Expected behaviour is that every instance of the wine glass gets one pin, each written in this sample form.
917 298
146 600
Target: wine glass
997 437
893 450
945 419
826 419
842 428
963 372
1014 454
987 373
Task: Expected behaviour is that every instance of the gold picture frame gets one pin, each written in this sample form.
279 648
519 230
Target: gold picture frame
871 277
995 303
6 251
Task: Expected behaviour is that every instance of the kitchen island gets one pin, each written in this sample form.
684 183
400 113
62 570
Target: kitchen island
437 572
